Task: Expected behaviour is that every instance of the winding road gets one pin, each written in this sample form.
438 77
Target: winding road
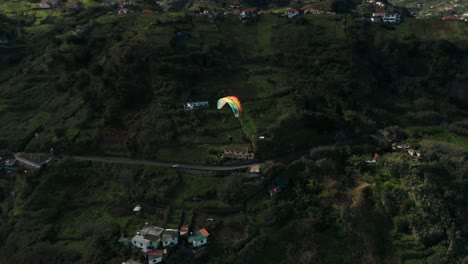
163 164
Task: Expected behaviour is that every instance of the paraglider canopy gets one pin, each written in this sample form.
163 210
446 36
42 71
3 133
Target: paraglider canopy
233 102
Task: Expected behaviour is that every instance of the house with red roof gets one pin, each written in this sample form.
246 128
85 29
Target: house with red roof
291 12
451 18
199 238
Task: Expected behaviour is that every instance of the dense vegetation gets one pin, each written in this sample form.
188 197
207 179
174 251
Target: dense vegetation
318 88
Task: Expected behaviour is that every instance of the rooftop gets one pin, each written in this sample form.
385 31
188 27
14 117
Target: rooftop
236 149
170 233
152 230
38 158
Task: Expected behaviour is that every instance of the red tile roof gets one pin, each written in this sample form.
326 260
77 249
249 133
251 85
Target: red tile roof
184 229
204 232
156 252
291 10
452 18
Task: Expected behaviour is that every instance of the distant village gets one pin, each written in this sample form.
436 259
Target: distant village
122 7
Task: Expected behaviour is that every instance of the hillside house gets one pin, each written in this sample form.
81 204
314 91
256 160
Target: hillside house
275 189
415 153
46 4
155 256
386 18
238 153
291 12
307 10
451 18
196 105
10 163
170 237
33 160
399 146
122 11
248 13
109 3
127 4
137 210
199 238
148 238
183 230
140 241
254 171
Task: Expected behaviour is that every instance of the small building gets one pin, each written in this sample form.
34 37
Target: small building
199 238
109 3
148 238
291 12
254 171
122 11
248 13
46 4
33 160
195 105
238 153
386 18
127 3
399 146
137 210
155 256
140 241
10 163
415 153
183 230
275 189
170 237
451 18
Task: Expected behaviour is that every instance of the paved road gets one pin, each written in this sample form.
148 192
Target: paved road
162 164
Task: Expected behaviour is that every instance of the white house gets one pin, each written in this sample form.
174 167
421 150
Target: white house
170 237
140 241
33 160
380 3
386 18
199 238
195 105
148 238
291 12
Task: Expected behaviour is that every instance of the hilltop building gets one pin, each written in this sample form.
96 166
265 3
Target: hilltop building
148 238
33 160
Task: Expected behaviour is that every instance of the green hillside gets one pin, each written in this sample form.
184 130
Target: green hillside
317 88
